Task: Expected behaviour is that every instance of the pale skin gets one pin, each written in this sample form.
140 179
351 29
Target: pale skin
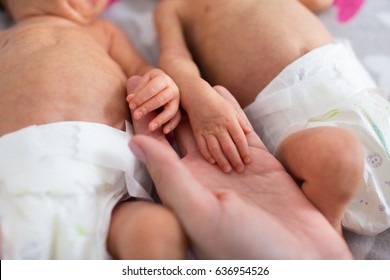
59 62
258 214
243 45
317 5
220 133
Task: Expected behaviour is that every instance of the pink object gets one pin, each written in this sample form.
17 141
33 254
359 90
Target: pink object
111 2
347 9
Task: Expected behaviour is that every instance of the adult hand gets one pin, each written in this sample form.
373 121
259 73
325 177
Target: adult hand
258 214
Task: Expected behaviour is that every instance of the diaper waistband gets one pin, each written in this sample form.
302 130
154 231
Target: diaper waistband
335 65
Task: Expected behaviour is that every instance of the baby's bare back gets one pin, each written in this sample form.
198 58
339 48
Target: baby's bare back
53 70
244 44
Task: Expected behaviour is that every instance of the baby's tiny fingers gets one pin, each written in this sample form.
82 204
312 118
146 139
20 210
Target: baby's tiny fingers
202 145
161 99
130 97
231 152
167 114
173 123
241 143
216 151
150 90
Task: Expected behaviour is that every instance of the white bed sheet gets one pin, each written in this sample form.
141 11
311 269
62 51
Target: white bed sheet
368 34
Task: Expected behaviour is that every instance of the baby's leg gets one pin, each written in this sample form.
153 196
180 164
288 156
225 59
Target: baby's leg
329 162
143 230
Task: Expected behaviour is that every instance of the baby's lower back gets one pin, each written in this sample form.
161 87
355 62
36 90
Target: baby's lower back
39 94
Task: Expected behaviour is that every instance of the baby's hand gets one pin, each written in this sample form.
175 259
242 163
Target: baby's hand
156 89
220 132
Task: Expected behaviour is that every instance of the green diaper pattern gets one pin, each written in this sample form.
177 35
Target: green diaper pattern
377 130
22 192
331 114
81 230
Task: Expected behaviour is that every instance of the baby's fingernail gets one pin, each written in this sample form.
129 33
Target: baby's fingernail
227 169
132 106
247 159
137 115
248 128
240 168
153 126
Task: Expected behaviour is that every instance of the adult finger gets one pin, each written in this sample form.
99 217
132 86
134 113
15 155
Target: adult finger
132 83
176 186
185 137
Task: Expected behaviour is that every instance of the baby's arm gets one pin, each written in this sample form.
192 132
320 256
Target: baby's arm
155 90
317 5
218 130
123 52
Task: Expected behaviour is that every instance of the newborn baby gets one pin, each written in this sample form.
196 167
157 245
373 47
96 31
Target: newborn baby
64 161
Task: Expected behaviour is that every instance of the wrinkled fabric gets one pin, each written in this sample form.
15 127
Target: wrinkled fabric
58 185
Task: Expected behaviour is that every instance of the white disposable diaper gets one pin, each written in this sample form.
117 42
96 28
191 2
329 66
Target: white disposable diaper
58 185
329 87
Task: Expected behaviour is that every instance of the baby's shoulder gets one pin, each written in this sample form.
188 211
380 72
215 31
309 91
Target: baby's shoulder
105 31
104 24
165 6
105 27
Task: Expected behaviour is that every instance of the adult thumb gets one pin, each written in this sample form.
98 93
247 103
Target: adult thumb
175 184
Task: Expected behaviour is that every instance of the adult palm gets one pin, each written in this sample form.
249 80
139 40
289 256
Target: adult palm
258 214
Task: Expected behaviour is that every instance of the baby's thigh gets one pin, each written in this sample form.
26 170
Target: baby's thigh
321 151
145 230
